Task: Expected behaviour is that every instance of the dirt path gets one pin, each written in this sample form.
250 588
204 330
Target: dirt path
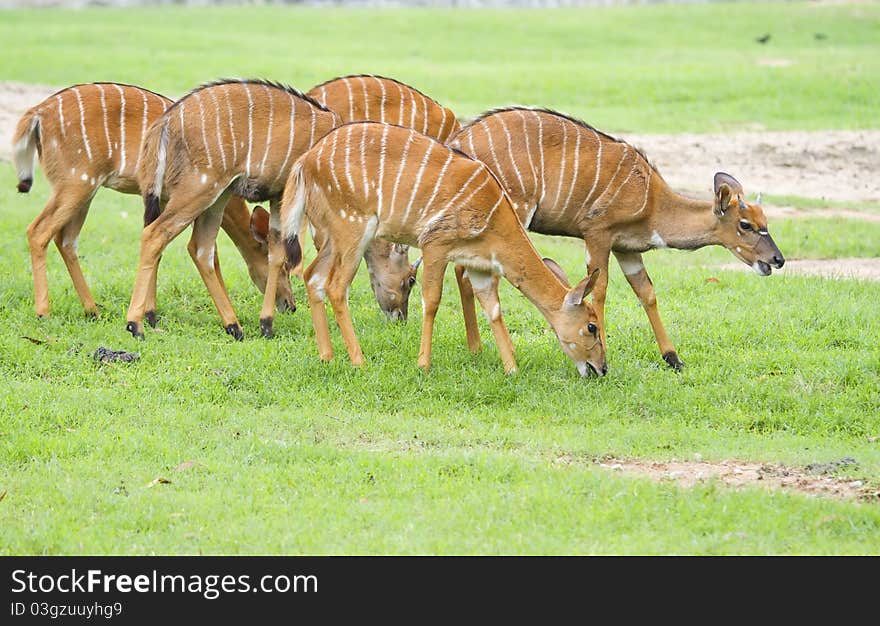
15 99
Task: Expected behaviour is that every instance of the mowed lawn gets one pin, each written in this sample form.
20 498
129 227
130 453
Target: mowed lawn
267 450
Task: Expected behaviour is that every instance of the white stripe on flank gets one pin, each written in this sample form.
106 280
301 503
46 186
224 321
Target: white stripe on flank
137 161
471 143
489 218
561 162
412 115
475 191
213 93
498 171
366 98
82 123
290 137
183 126
106 128
427 207
269 93
198 97
61 115
312 133
645 201
440 134
400 171
400 116
528 149
418 180
574 176
348 157
250 127
333 158
121 127
382 103
510 153
381 180
479 168
598 169
614 175
324 95
364 160
231 126
350 100
541 154
425 121
625 180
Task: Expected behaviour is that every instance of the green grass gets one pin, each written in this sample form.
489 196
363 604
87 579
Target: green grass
658 68
295 456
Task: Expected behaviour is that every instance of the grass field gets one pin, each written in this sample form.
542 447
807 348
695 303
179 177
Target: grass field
294 456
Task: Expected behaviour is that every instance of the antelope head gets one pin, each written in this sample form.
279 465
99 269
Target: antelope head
577 325
260 232
742 227
391 277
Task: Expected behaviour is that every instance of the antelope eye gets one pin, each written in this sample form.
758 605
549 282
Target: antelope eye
411 280
745 225
592 328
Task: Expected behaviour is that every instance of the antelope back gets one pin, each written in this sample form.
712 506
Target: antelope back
418 189
375 98
91 134
244 132
558 171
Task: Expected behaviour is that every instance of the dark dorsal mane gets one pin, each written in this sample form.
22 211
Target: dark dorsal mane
253 81
391 80
110 82
565 116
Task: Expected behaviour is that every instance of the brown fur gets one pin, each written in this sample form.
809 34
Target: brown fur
411 189
565 177
76 165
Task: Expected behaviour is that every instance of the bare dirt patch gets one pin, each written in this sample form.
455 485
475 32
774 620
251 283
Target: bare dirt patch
813 480
15 99
836 165
859 269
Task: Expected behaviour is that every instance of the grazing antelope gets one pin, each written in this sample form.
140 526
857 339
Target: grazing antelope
359 98
564 177
228 137
88 137
411 189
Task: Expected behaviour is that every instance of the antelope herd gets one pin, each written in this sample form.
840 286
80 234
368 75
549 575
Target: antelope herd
372 167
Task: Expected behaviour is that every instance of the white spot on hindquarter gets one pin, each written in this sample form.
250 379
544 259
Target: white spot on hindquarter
92 182
343 214
204 178
351 218
738 249
84 177
630 267
657 240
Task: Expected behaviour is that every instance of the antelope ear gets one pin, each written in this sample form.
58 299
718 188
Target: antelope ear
260 224
725 187
400 248
576 295
553 266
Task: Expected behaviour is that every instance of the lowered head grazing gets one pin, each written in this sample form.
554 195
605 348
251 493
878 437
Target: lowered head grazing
577 325
742 227
391 276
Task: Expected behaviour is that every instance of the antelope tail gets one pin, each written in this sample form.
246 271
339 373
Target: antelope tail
293 211
153 159
25 143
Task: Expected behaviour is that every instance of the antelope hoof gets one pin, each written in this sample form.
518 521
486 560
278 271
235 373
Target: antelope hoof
235 331
135 329
673 361
151 318
266 327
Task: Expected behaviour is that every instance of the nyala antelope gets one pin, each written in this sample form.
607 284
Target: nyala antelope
411 189
87 137
363 97
564 177
229 137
